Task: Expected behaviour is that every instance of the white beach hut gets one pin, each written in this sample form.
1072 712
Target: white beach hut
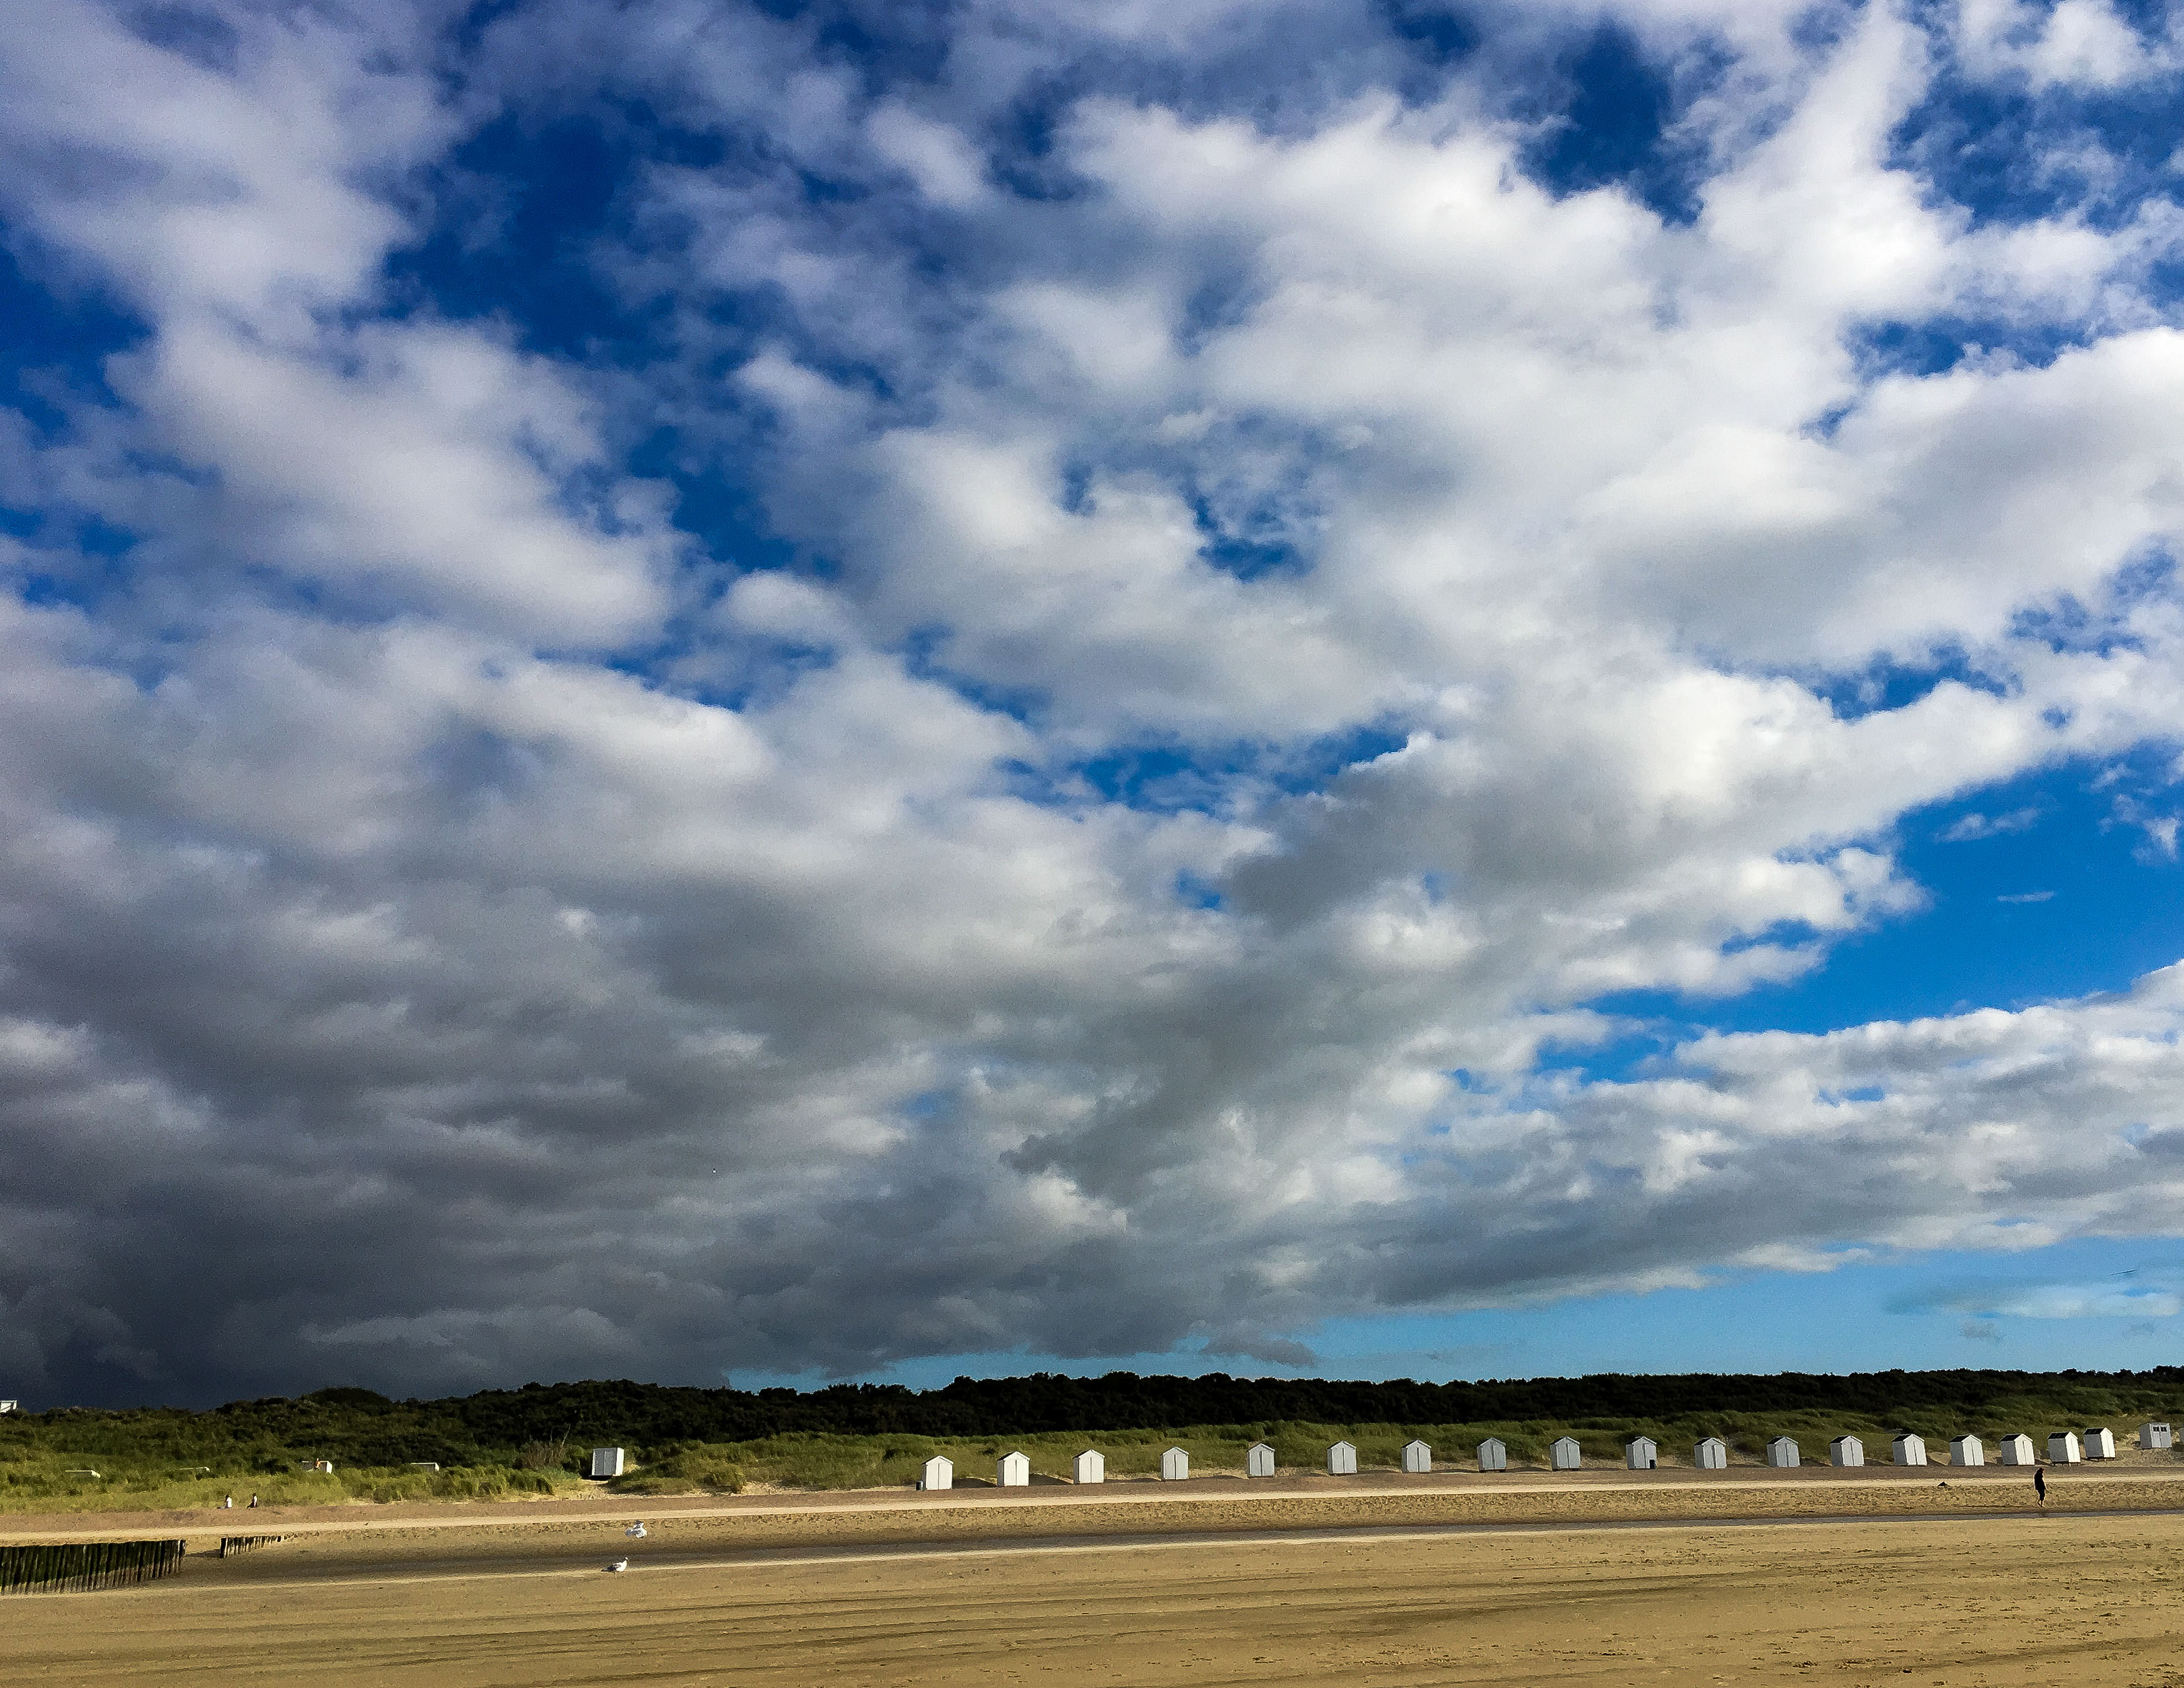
2154 1435
1494 1455
2062 1448
937 1473
2014 1449
1845 1450
1641 1453
1013 1471
1417 1457
1091 1466
1175 1466
1342 1460
607 1461
1909 1448
1259 1460
1711 1454
2100 1443
1966 1450
1782 1454
1563 1454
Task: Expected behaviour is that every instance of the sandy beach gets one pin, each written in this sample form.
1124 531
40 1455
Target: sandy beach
1664 1577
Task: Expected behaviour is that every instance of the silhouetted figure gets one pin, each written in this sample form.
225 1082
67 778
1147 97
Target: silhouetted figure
2040 1486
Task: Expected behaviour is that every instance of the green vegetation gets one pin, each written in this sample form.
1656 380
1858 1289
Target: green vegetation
158 1458
835 1462
534 1441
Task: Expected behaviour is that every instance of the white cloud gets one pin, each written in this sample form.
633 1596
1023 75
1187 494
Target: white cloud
1466 569
938 159
1966 827
2081 43
411 462
2060 1301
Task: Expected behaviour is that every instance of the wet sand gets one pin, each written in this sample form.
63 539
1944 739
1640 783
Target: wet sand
1665 1578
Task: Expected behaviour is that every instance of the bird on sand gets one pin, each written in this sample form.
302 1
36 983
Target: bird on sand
619 1565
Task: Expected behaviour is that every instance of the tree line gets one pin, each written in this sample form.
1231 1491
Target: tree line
357 1427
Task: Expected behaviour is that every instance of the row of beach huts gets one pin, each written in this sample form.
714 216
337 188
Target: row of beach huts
1640 1453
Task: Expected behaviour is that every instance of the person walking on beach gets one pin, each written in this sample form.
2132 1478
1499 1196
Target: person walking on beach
2040 1486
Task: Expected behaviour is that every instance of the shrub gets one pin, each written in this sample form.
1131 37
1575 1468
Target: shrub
718 1476
680 1467
636 1483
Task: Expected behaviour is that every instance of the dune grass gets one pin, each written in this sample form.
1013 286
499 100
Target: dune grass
33 1481
39 1487
821 1462
168 1459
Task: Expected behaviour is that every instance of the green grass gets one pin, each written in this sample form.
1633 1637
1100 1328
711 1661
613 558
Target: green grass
835 1462
166 1459
158 1460
44 1483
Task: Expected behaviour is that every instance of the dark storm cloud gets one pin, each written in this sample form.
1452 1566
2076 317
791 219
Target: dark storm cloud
462 917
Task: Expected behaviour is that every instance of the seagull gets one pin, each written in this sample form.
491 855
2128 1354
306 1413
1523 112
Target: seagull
635 1529
619 1565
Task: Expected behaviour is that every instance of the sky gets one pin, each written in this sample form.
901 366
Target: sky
777 693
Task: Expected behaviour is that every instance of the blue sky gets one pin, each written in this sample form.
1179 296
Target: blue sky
799 691
1939 1311
2058 901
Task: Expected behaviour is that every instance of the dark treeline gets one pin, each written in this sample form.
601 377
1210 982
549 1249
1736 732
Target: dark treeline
1123 1401
357 1427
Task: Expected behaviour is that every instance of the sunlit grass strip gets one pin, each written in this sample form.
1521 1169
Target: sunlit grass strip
76 1566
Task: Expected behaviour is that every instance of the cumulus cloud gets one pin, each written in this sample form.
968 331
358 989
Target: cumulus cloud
1272 607
2073 43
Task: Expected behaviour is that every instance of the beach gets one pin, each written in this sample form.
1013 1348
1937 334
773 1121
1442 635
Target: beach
1679 1577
